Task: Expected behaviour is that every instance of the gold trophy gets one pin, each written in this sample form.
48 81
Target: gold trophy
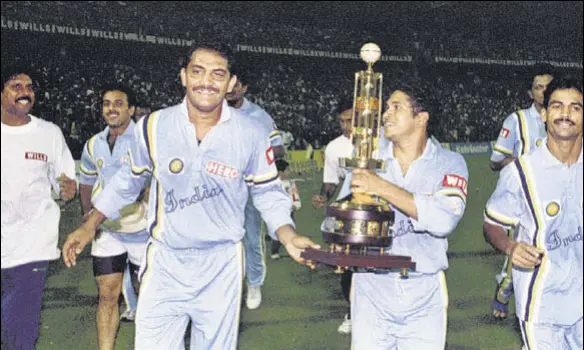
359 227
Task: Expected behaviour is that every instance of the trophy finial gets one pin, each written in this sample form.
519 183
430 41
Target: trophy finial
370 53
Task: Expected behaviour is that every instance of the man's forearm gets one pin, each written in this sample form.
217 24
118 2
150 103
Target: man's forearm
85 196
399 198
93 221
498 238
497 166
285 234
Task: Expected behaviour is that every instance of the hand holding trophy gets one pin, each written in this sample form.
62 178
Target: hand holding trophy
358 228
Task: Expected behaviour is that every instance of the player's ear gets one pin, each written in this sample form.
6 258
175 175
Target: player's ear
422 118
544 115
183 77
232 82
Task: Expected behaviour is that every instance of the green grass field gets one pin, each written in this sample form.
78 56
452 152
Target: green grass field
302 309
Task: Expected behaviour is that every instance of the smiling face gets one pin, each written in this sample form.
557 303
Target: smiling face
18 95
206 80
116 109
564 115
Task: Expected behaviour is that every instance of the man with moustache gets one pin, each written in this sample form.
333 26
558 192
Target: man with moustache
35 160
426 186
522 132
539 196
103 155
204 158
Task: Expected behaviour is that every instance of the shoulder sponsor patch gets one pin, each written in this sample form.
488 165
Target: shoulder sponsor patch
504 133
270 155
35 156
221 169
456 181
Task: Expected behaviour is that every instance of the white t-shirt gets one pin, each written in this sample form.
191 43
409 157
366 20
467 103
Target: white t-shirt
287 138
341 147
33 156
292 190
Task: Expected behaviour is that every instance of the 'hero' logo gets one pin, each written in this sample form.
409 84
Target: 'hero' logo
222 170
455 181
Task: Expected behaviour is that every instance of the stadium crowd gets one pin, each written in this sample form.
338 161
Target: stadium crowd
301 93
435 36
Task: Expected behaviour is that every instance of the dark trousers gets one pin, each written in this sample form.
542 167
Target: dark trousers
22 294
346 279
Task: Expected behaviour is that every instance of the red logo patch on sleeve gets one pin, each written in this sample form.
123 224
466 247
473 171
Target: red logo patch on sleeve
455 181
505 133
35 156
270 156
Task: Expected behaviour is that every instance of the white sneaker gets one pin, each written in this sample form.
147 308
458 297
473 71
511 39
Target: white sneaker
345 327
128 315
254 297
275 256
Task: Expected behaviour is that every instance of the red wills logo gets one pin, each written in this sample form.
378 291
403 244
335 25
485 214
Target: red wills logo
35 156
505 133
222 170
456 182
270 156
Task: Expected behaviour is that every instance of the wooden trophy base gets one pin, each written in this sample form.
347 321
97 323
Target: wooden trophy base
360 262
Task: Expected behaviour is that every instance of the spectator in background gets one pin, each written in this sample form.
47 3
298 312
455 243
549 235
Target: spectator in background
35 159
287 139
292 189
141 112
341 147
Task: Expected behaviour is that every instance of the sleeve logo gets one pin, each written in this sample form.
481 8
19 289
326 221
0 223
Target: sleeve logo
270 156
455 181
504 133
36 156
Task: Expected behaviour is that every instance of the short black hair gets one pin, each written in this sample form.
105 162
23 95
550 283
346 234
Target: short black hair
245 74
566 82
538 70
424 98
10 72
120 87
281 164
223 49
345 104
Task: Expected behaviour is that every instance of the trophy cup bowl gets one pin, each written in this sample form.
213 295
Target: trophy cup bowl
358 227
